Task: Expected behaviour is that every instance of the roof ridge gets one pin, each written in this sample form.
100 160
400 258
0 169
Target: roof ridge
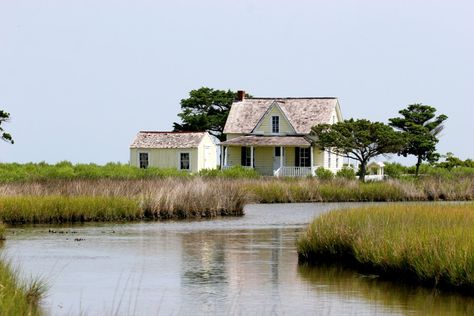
164 132
289 98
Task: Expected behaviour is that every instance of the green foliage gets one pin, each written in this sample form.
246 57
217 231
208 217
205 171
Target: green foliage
14 172
360 140
427 243
17 297
324 174
421 128
346 173
232 172
5 117
206 109
452 162
394 170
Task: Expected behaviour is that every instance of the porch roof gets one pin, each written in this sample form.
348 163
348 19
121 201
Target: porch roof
268 141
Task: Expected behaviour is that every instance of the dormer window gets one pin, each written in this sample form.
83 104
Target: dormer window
275 124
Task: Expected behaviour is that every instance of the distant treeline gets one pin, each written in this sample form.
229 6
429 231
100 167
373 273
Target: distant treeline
443 170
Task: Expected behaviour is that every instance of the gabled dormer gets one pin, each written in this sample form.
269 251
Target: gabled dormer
274 122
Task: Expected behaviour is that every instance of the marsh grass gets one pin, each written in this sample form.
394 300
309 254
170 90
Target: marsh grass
427 243
60 201
17 297
119 200
66 209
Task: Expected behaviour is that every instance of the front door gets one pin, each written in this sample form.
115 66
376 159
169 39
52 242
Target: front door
276 158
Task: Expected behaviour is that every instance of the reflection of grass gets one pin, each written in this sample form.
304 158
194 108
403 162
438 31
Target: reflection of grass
413 300
430 243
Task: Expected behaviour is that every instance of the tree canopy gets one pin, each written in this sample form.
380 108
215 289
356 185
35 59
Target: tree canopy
421 129
5 117
206 109
360 140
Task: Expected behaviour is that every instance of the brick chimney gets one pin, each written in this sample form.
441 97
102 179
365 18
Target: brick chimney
240 95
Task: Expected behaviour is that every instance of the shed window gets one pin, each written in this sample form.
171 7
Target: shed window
275 124
329 158
143 160
184 161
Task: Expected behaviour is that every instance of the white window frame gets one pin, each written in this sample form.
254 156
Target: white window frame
189 160
275 123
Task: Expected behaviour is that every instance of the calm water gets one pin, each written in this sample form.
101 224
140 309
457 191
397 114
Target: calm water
236 266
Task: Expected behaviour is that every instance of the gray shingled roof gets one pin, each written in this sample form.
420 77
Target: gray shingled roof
303 113
149 139
271 141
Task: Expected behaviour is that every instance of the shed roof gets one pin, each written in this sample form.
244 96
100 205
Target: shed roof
302 113
270 141
152 139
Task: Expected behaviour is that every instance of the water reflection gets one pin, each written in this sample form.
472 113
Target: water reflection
333 279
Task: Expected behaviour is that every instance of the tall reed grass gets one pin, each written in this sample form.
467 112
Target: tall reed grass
17 297
119 200
428 243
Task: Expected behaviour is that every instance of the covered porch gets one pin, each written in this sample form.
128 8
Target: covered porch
280 156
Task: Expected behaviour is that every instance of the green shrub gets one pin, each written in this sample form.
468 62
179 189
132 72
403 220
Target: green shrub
394 170
346 173
324 174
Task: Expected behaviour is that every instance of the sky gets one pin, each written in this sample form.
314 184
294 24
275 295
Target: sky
81 78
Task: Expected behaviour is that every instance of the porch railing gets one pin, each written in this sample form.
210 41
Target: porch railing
292 172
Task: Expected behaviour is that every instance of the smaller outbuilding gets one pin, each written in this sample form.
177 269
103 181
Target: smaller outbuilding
375 171
188 151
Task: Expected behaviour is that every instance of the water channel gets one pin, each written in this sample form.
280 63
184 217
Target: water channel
228 266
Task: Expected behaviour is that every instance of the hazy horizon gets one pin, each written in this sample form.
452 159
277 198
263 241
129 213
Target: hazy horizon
81 79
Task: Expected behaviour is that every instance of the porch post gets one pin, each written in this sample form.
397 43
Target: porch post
281 156
251 157
226 149
222 157
311 160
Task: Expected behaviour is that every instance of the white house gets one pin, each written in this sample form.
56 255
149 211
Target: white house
189 151
272 135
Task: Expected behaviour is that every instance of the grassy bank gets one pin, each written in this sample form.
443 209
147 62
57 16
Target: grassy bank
427 243
119 200
341 190
59 201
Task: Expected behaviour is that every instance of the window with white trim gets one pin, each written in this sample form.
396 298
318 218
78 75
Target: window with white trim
143 160
275 124
329 158
184 163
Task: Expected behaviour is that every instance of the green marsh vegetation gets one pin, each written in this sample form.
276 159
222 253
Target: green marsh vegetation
62 193
66 201
19 297
427 243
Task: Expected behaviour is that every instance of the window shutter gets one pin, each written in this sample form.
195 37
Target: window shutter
243 155
297 156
